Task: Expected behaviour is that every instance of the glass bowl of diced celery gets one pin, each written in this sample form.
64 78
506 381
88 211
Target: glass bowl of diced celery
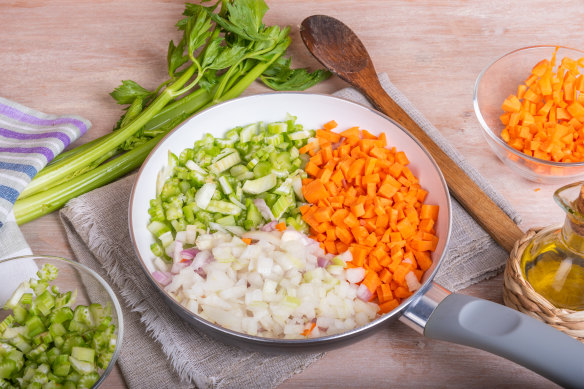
61 324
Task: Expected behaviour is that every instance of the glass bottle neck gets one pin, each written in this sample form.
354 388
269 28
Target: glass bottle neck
572 234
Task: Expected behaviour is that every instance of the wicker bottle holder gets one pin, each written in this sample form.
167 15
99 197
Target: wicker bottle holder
520 295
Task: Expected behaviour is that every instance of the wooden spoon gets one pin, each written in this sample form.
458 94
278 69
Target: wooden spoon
341 51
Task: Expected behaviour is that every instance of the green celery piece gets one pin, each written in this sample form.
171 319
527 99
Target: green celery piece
158 228
57 329
21 343
25 299
6 323
87 380
84 354
281 205
34 326
260 185
48 272
36 352
66 299
61 366
223 207
7 367
45 302
82 367
254 217
16 295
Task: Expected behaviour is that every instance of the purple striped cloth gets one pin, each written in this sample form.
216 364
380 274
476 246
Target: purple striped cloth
30 139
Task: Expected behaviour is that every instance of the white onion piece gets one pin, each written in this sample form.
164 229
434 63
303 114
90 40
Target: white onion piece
355 274
178 266
178 248
263 236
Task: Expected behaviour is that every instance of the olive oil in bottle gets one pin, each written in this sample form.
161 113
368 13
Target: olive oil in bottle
553 262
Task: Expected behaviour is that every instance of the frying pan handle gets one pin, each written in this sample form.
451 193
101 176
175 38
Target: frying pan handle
510 334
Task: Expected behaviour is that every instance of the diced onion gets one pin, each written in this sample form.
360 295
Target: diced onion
272 287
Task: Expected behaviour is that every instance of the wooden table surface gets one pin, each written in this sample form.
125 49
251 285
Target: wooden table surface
65 56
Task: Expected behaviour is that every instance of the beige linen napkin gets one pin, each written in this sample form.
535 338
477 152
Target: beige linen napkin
161 351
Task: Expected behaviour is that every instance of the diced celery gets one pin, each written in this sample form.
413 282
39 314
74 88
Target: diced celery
226 221
158 228
82 367
205 194
83 354
34 326
262 169
226 162
6 323
225 186
281 205
248 132
277 127
260 185
223 207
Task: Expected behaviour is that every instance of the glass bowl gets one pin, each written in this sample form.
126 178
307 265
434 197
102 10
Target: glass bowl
495 83
91 288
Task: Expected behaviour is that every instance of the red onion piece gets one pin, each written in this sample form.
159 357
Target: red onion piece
363 293
201 259
189 253
271 226
163 278
322 261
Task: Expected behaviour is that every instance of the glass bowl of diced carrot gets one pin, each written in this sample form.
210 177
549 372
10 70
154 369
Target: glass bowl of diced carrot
530 104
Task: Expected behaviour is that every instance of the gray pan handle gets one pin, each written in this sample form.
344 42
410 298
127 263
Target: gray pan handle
510 334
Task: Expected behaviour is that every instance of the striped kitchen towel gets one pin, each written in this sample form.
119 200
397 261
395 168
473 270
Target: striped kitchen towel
30 139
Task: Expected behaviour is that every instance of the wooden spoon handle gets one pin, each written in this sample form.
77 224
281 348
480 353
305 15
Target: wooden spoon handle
480 206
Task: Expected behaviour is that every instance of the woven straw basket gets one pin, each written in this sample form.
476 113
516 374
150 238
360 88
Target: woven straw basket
519 294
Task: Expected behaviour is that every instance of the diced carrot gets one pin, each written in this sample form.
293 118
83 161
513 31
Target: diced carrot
384 293
308 330
363 198
540 119
330 125
429 212
246 240
314 191
371 281
388 306
281 226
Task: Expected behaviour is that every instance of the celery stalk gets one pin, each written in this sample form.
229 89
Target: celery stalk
232 53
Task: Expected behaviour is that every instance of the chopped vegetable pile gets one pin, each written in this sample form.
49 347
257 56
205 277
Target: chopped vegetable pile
47 343
269 283
250 177
231 216
545 118
365 199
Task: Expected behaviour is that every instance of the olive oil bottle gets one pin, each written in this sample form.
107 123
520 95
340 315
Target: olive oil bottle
553 262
